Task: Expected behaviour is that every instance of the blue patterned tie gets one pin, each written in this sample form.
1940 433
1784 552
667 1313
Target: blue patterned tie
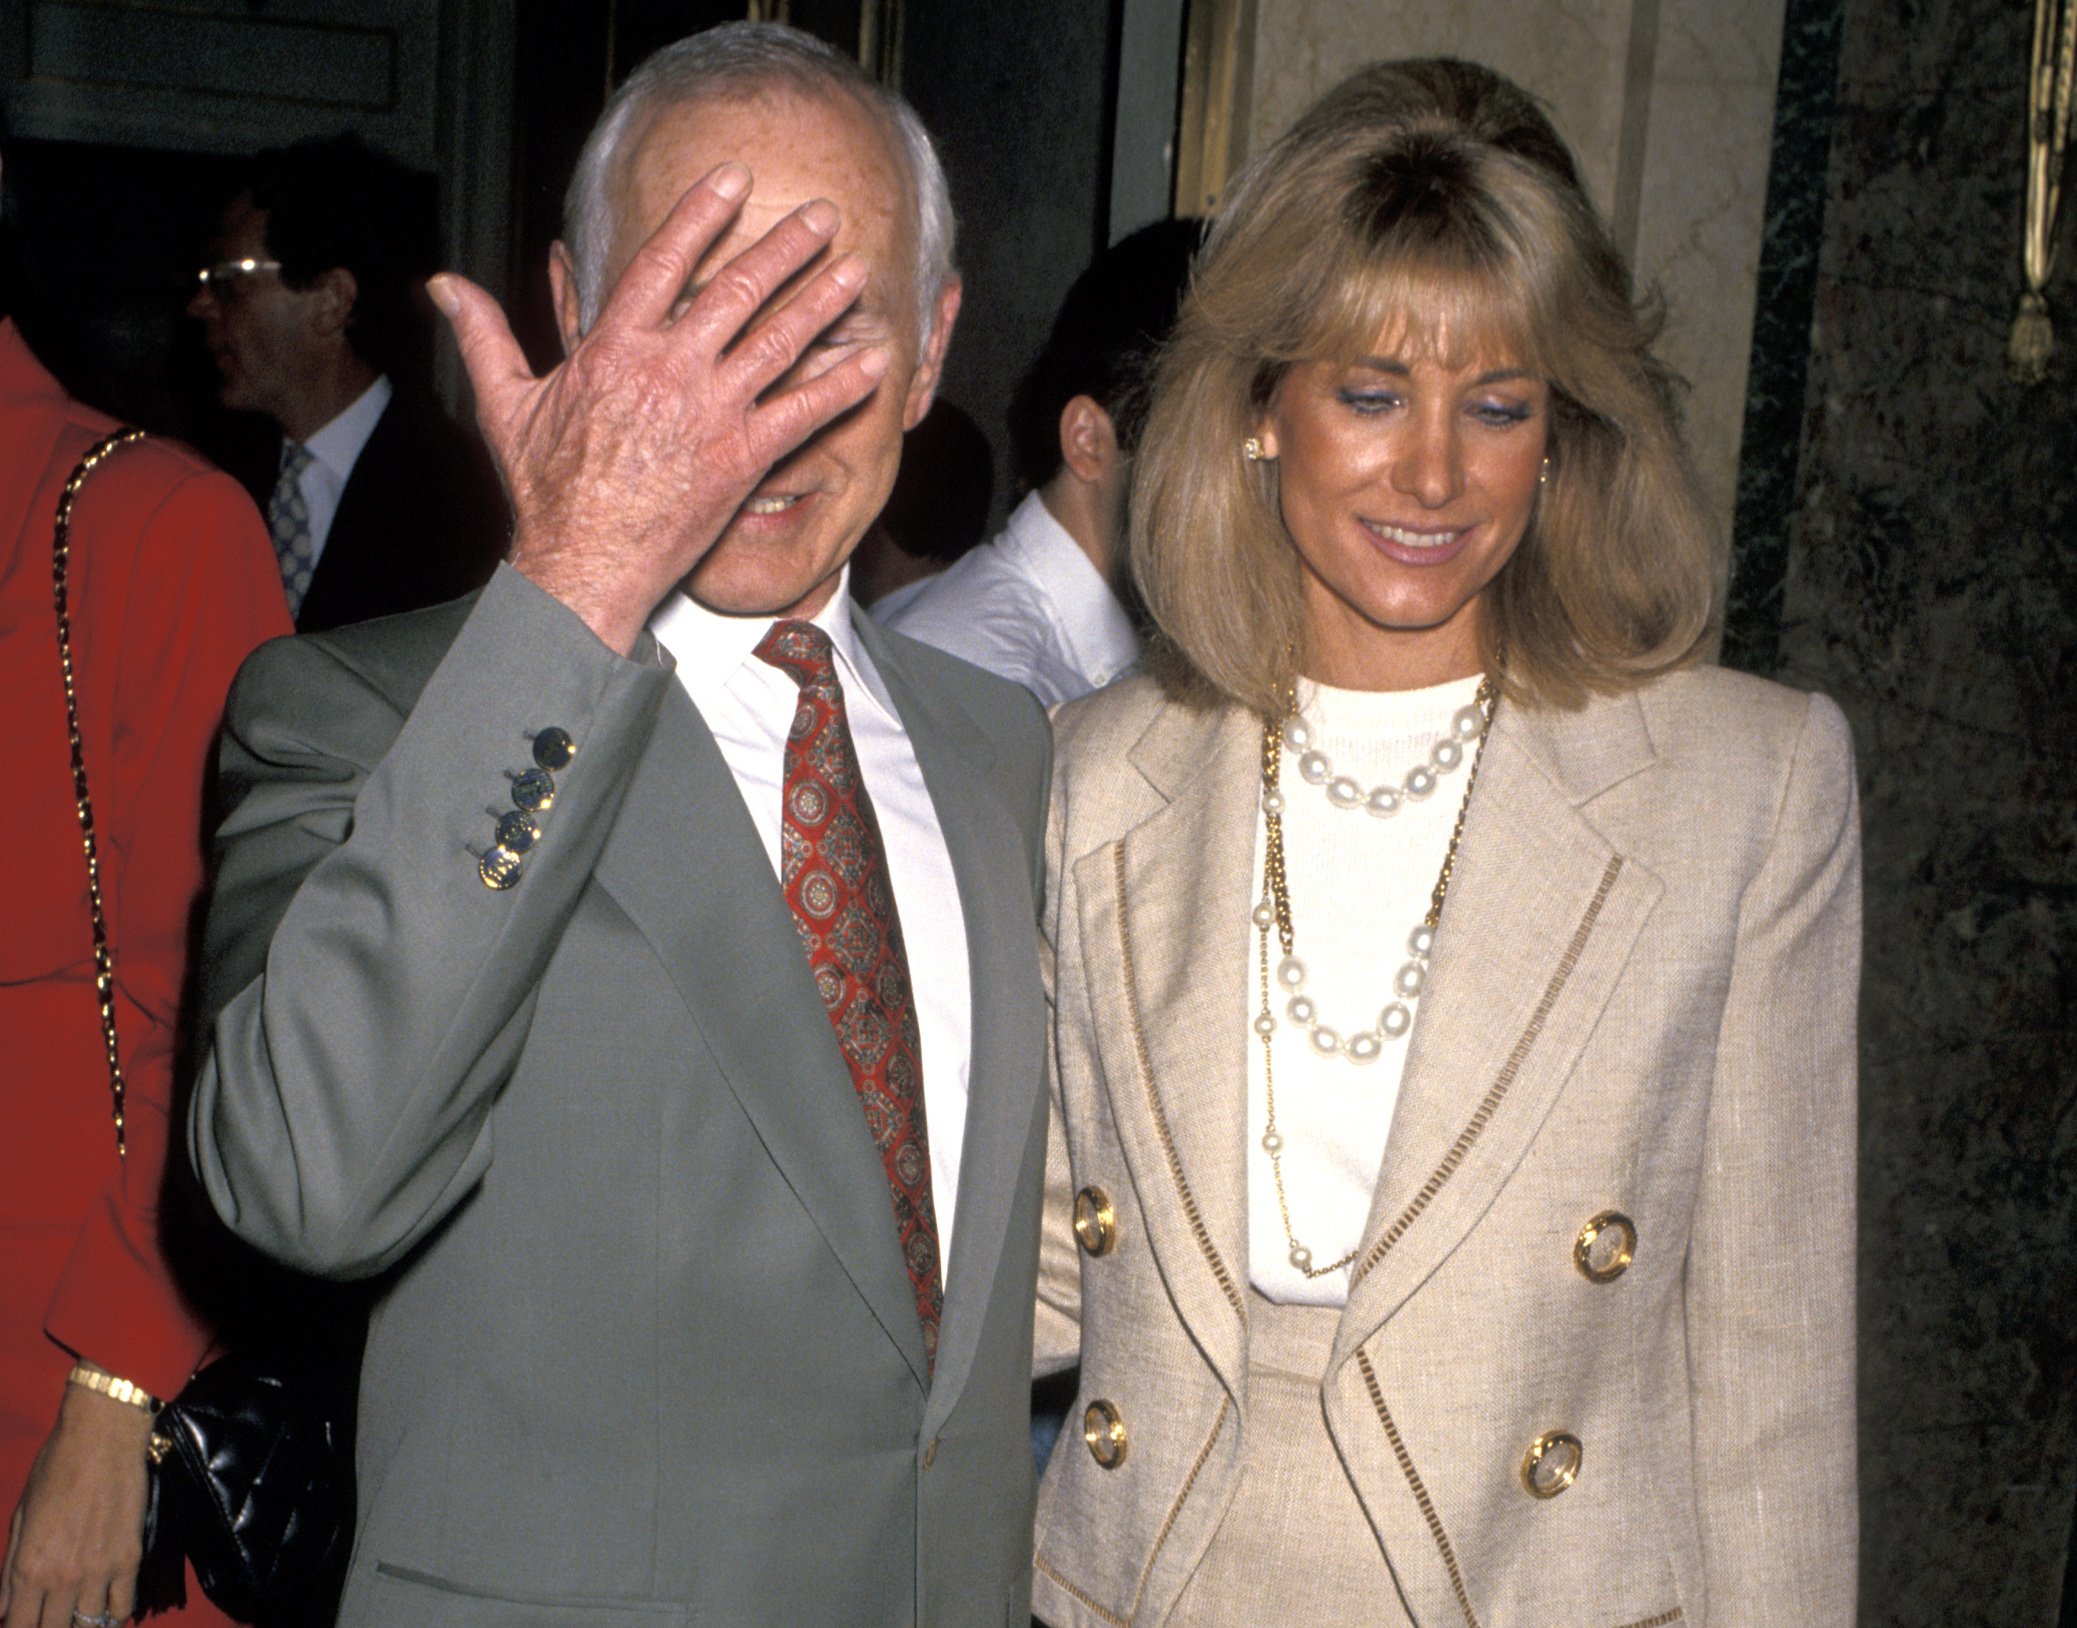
288 521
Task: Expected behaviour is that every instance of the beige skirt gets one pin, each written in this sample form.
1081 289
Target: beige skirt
1295 1546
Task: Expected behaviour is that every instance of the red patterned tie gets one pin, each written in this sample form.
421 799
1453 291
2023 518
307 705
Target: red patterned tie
834 870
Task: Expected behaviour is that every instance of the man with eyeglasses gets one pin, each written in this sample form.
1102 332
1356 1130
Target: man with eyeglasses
310 306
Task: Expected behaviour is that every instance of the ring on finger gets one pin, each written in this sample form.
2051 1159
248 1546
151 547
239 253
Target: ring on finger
99 1620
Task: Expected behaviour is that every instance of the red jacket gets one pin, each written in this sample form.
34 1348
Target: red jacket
173 582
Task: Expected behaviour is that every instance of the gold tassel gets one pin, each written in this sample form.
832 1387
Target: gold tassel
2033 339
2051 89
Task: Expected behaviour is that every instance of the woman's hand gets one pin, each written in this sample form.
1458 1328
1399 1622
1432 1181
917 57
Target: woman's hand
78 1532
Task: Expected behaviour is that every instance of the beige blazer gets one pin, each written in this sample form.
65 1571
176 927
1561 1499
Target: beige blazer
1642 1001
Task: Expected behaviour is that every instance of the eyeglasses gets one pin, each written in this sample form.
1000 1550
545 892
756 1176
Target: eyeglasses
221 278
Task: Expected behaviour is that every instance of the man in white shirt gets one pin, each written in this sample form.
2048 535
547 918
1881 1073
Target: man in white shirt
1043 602
635 970
376 501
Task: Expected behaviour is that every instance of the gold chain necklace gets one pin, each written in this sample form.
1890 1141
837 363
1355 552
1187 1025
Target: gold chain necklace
1275 911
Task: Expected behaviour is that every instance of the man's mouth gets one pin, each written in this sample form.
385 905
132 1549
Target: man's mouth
770 505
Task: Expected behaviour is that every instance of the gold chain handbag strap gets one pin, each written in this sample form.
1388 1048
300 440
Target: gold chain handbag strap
104 959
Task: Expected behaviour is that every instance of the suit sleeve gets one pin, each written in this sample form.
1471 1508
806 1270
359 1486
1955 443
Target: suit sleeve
1058 1325
367 995
200 591
1770 1283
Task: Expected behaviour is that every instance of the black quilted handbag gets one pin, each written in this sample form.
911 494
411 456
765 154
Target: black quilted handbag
253 1484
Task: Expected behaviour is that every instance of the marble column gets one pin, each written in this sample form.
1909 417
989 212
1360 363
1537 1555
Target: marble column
1932 588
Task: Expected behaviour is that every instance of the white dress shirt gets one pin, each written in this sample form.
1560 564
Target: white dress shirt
334 450
749 705
1029 605
1359 886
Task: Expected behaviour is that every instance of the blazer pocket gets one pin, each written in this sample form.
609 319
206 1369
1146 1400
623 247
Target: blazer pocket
401 1594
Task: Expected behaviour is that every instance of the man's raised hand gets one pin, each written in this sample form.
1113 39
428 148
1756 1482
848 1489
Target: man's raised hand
627 460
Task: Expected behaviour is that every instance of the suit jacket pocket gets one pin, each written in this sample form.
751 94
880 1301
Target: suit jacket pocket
399 1594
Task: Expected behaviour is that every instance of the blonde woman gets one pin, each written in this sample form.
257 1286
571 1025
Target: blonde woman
1452 1182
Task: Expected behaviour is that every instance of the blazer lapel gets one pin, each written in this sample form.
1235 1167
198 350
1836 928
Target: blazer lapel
1005 1078
33 415
686 865
1164 917
35 445
1541 917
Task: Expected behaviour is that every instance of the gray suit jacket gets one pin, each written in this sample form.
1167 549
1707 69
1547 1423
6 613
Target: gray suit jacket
1641 1000
647 1351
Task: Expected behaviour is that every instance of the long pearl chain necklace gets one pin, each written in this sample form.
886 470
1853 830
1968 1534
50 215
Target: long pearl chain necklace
1274 911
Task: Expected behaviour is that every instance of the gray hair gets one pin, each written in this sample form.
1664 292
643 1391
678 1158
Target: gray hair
738 59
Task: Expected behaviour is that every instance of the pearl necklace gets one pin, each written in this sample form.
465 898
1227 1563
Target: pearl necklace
1316 768
1274 911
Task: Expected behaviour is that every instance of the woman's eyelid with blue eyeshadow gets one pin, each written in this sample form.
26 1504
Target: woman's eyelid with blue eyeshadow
1502 414
1370 402
1369 399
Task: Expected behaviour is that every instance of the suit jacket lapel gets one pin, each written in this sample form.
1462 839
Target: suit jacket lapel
686 865
1541 917
1005 1077
34 415
1165 943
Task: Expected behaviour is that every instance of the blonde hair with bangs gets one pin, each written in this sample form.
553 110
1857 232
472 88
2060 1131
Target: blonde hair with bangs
1433 202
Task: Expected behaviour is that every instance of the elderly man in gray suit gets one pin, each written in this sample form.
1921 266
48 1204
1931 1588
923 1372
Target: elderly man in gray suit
634 967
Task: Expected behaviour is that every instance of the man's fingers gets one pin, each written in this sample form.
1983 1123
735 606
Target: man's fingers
782 423
780 339
729 300
497 367
657 275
